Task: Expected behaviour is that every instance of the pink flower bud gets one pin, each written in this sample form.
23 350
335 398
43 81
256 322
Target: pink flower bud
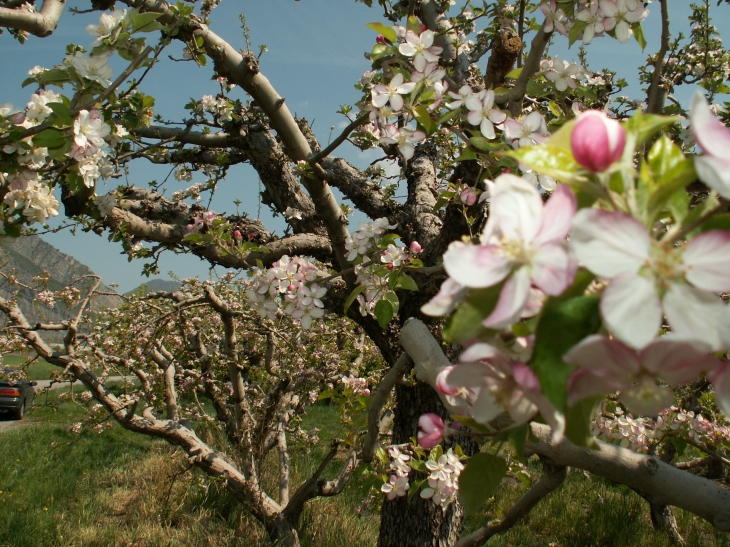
252 235
230 243
468 196
433 428
366 392
382 39
597 140
423 27
415 247
18 118
390 266
237 234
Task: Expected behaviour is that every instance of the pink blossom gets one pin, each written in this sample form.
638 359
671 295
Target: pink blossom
597 141
713 168
382 93
415 247
499 383
610 365
421 48
404 138
531 130
649 280
432 430
523 242
482 114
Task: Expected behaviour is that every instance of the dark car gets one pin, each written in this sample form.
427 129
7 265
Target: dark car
16 392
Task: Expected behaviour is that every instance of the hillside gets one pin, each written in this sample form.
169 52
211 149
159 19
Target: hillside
29 256
156 285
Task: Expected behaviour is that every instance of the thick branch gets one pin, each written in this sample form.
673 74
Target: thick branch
209 140
377 402
532 65
656 93
41 23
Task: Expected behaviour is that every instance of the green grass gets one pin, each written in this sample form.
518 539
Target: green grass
123 489
40 369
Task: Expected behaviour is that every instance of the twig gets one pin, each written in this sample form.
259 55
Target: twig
655 98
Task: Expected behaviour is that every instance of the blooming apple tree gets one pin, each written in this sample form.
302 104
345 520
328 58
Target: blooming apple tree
568 243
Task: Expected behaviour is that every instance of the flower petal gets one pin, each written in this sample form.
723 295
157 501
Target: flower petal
475 266
631 309
711 135
553 268
512 300
557 215
707 258
677 361
604 357
516 209
715 173
695 314
609 243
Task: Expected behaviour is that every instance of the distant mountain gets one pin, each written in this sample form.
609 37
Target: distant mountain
156 285
30 256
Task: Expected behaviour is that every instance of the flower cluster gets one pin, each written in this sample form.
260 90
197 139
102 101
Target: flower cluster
220 107
26 191
358 386
289 285
397 485
443 479
360 243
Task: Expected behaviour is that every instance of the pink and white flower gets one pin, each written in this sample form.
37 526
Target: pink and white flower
554 17
500 383
610 365
563 74
648 280
392 91
713 168
482 113
523 242
421 48
404 138
621 15
531 130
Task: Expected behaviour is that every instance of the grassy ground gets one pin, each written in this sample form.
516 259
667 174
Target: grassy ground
122 489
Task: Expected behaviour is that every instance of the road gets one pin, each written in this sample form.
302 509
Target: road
6 420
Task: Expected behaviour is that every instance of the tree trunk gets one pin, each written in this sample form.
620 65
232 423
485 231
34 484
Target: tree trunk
284 533
418 522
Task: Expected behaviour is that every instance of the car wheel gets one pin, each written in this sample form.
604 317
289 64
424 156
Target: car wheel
18 415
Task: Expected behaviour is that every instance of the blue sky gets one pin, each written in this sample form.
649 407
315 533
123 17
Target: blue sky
315 56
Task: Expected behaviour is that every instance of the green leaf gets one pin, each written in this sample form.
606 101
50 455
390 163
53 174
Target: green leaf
480 480
467 154
424 118
75 183
575 31
552 161
414 25
675 180
63 115
484 144
663 156
514 73
578 421
466 323
563 323
388 32
561 138
639 34
450 114
142 20
718 222
353 296
50 138
383 313
647 125
406 282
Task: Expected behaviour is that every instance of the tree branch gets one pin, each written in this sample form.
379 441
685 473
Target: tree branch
532 65
377 402
656 95
41 23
